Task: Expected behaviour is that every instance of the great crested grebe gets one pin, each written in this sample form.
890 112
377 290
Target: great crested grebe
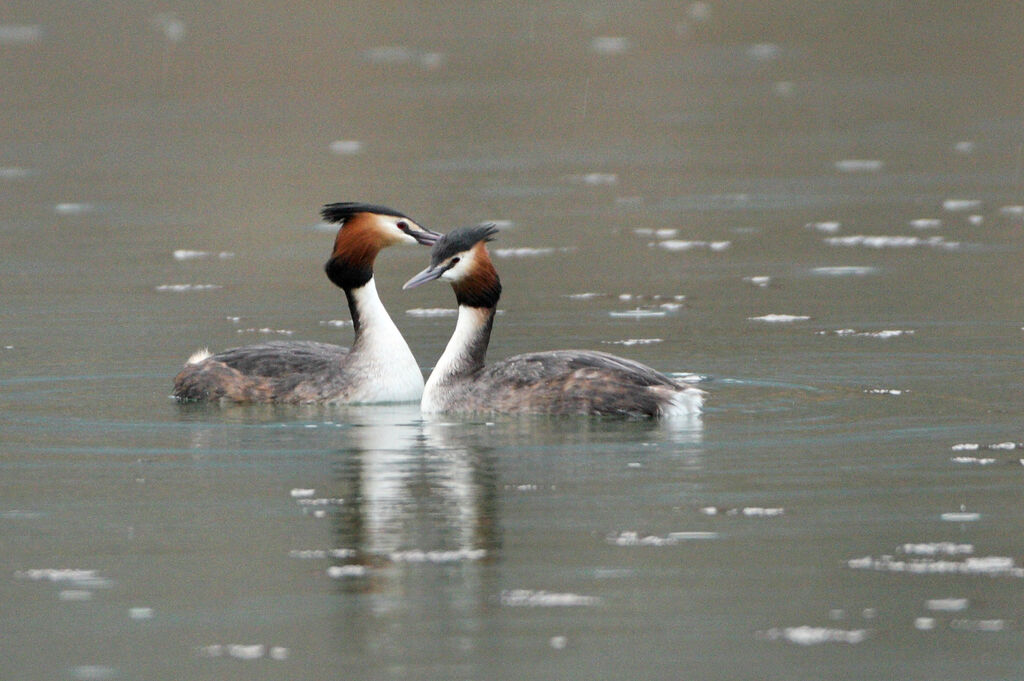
379 367
555 382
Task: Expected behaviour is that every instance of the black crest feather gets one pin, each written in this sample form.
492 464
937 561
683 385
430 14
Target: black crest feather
461 239
339 212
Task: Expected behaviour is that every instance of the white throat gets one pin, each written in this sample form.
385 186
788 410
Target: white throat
455 359
387 369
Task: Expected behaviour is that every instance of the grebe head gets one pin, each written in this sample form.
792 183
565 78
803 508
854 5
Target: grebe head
365 230
461 257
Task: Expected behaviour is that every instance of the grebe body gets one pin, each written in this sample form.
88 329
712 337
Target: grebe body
378 368
555 382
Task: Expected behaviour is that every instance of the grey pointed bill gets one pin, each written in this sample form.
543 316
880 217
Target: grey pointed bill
430 274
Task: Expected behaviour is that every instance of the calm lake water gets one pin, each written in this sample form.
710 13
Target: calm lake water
817 207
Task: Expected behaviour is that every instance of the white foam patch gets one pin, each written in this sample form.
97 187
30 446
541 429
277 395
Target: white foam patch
335 323
140 613
20 34
964 147
745 511
827 226
1015 211
808 636
245 651
14 173
926 223
634 341
959 205
69 208
266 331
400 54
347 571
988 566
687 245
594 179
859 165
664 233
878 242
186 254
529 598
609 45
631 538
973 460
638 313
946 604
584 296
432 312
941 548
530 252
975 446
302 492
760 281
960 517
185 288
345 147
885 391
844 271
884 333
779 318
437 557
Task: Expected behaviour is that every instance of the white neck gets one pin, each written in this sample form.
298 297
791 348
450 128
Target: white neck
464 354
380 355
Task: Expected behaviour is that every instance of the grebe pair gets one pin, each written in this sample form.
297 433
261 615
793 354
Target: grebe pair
381 368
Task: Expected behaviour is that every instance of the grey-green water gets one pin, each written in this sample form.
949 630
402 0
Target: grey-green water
850 507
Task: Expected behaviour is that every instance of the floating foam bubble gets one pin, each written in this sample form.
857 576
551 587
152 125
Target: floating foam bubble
594 179
857 165
975 220
926 223
942 548
990 566
20 34
302 492
960 517
634 341
72 208
609 45
964 147
807 635
170 25
779 318
957 205
12 173
527 252
266 331
665 233
764 51
875 241
983 626
830 227
346 571
558 642
93 672
884 333
638 313
437 557
924 623
844 271
687 245
399 54
345 147
1016 211
672 538
884 391
946 604
759 281
182 288
528 598
186 254
432 312
140 613
583 296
